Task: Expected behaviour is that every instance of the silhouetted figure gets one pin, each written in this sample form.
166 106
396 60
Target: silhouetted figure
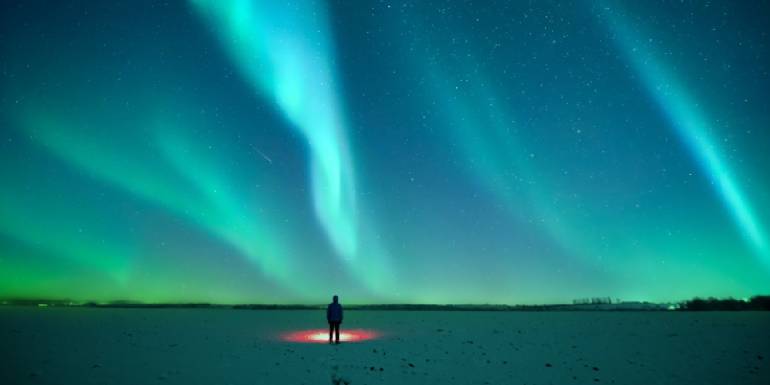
334 316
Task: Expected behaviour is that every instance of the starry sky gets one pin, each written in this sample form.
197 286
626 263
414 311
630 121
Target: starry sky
235 151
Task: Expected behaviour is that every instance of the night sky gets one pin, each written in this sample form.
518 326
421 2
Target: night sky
389 152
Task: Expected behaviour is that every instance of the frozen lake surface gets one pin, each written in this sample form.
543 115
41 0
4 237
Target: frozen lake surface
224 346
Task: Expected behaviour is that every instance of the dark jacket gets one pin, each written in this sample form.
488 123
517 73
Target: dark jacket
334 312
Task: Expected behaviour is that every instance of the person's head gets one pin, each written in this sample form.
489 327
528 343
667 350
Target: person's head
335 298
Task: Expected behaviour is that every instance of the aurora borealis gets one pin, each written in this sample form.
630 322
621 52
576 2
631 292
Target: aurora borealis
389 152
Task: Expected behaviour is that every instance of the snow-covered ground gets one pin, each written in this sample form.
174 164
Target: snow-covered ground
223 346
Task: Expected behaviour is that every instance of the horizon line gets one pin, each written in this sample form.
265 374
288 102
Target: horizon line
138 303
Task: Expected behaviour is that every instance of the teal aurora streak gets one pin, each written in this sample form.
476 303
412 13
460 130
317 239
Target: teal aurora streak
271 152
688 119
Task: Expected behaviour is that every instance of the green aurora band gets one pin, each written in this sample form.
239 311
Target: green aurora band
690 122
283 50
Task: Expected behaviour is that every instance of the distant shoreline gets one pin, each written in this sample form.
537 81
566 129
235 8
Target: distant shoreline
395 307
697 304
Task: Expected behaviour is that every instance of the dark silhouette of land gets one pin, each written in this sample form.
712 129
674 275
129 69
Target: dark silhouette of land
760 302
756 303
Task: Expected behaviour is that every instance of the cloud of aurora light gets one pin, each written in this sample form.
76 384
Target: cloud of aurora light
210 204
485 129
284 51
690 122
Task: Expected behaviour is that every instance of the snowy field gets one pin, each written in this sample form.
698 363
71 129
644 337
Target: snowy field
222 346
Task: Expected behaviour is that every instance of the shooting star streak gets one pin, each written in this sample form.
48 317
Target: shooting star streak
265 157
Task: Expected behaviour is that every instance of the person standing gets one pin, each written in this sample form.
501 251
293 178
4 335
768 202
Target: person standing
334 317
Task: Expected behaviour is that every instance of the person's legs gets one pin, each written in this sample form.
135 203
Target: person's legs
331 330
337 331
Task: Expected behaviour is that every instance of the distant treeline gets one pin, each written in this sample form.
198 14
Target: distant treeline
592 301
412 307
760 302
430 307
696 304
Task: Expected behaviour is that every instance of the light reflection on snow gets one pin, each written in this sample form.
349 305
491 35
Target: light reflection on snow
322 336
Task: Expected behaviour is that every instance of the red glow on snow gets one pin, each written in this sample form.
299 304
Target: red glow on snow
322 336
